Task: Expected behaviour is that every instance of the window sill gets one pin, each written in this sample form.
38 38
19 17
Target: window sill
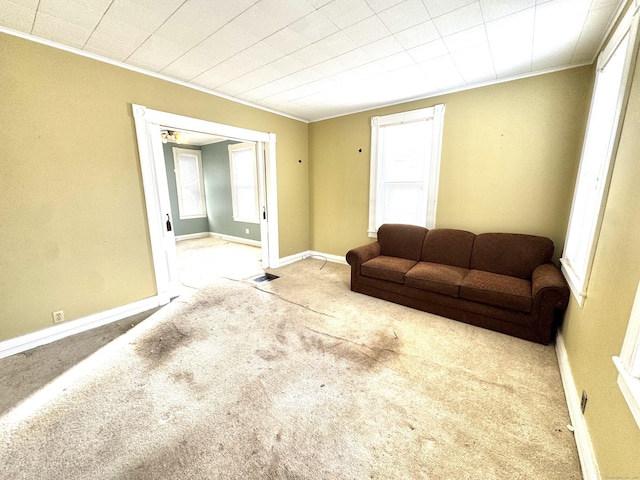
575 285
630 388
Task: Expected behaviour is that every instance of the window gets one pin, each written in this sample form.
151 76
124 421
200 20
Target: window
405 166
190 183
628 363
600 144
244 182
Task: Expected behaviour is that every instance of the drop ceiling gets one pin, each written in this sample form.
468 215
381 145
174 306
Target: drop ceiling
316 59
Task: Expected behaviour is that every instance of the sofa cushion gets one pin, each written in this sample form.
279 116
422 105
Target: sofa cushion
436 277
387 268
495 289
403 241
448 246
511 254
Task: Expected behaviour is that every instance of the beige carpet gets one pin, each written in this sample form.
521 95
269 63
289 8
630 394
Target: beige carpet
298 378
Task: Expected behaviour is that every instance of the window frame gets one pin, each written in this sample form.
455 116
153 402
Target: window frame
234 192
435 114
579 280
177 151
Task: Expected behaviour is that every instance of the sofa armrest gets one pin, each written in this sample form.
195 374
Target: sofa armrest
548 280
359 255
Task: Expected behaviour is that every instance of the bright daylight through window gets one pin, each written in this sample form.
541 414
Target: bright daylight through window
244 182
190 183
405 166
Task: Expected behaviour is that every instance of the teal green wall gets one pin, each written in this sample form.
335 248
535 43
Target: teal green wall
189 225
217 185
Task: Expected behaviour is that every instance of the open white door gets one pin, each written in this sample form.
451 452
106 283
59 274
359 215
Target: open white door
156 190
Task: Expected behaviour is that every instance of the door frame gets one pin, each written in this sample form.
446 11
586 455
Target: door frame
156 190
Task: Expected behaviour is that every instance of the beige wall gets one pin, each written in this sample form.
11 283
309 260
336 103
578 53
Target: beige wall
594 333
74 232
509 159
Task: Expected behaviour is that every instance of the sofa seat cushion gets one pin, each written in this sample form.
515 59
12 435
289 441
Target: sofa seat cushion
387 268
436 277
495 289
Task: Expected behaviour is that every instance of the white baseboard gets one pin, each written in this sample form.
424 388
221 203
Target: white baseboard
310 253
588 462
57 332
230 238
191 236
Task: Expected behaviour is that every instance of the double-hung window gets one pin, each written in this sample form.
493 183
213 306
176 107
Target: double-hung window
190 183
405 167
244 182
596 164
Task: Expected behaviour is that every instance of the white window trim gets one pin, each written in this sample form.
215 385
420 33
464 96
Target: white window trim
236 217
435 113
578 281
628 363
176 152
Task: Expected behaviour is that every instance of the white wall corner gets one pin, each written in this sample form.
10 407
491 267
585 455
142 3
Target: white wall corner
588 462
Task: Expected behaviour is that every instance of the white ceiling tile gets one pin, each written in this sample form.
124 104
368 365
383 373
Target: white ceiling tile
396 62
140 16
287 41
311 55
404 15
308 75
475 64
264 52
437 8
318 3
511 42
30 4
286 10
60 31
189 66
336 44
471 37
259 77
209 79
236 66
155 54
428 51
17 17
383 48
418 35
354 58
256 22
313 27
592 34
494 9
557 28
444 72
287 65
102 43
163 8
111 30
344 13
458 20
380 5
367 31
83 14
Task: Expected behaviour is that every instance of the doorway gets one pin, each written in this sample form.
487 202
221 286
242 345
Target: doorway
148 124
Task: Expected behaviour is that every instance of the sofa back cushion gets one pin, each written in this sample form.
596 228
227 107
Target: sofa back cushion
448 246
398 240
512 254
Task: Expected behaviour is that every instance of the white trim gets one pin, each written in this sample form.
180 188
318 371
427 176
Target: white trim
192 236
147 123
312 253
588 462
231 238
630 388
62 330
234 193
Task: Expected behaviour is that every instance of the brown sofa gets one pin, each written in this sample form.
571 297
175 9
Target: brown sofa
500 281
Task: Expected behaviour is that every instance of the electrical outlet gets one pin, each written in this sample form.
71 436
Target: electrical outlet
583 401
58 317
246 230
